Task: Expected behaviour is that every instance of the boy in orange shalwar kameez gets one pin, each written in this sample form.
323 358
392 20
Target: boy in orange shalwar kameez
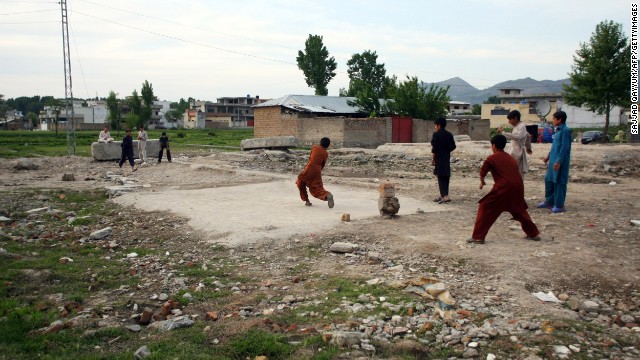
311 176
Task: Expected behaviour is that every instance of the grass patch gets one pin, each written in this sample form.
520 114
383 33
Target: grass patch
22 143
257 342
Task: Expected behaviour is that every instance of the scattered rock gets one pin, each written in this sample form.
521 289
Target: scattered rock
142 353
100 234
26 164
343 247
68 177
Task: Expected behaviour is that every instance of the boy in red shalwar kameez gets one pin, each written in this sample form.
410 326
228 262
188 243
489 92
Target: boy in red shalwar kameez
311 176
507 194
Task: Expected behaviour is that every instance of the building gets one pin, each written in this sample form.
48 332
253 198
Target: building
458 108
309 118
90 114
535 108
227 113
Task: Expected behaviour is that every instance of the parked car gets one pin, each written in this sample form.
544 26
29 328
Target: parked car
593 137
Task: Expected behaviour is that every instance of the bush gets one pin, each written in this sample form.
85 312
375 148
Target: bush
181 135
211 133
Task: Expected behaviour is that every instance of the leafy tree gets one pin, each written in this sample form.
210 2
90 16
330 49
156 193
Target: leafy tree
132 120
476 109
114 111
33 119
364 71
147 98
600 74
135 103
413 99
56 106
366 100
316 65
4 107
493 99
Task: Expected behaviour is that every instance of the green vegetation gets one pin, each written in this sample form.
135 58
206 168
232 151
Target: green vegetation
22 143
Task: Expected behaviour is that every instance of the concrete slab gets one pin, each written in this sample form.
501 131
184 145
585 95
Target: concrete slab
276 142
256 212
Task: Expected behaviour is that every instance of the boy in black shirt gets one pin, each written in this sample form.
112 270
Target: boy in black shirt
164 144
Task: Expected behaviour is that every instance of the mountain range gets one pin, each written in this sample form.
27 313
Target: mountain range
461 90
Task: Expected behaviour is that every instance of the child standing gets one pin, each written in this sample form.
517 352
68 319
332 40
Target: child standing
127 150
164 144
142 144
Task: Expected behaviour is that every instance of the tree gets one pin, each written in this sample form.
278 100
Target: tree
316 65
114 111
135 103
476 109
56 106
493 99
364 71
413 99
4 107
599 79
33 119
147 98
368 82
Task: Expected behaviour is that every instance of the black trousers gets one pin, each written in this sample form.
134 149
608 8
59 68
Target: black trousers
443 184
162 151
125 157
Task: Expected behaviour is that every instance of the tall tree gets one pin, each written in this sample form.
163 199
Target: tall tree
4 107
56 106
600 74
413 99
364 71
493 99
147 99
316 65
135 103
114 111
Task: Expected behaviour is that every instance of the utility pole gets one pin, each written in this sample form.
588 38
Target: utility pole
68 88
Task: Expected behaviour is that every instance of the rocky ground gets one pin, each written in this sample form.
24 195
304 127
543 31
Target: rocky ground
408 286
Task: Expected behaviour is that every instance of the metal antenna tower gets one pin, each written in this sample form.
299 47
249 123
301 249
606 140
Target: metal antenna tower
68 88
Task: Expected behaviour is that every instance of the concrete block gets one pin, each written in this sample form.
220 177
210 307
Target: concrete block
113 150
388 206
276 142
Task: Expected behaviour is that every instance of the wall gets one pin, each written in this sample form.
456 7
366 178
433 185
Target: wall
583 118
309 129
477 129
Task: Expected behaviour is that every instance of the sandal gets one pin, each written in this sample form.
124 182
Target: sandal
438 199
330 200
534 238
443 201
474 241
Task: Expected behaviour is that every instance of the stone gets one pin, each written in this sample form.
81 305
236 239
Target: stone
142 353
562 351
573 303
388 206
374 257
343 247
100 234
173 323
563 297
26 164
37 211
346 217
212 315
635 222
627 319
113 150
134 328
277 142
346 338
163 297
387 190
5 220
68 177
590 306
146 315
491 357
470 353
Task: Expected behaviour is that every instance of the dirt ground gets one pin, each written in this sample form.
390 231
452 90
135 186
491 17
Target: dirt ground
592 250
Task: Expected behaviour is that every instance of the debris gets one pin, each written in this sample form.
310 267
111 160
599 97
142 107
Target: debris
548 297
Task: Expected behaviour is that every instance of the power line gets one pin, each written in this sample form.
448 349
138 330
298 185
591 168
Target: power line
75 45
183 40
186 25
28 22
27 12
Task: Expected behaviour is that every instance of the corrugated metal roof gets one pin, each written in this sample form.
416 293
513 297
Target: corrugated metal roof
314 104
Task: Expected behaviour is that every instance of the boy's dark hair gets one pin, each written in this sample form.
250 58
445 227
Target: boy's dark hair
442 122
514 114
164 133
128 130
561 115
500 141
325 142
141 126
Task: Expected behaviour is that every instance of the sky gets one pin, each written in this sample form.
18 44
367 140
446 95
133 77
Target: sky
207 49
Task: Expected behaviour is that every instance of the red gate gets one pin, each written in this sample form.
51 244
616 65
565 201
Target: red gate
401 129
